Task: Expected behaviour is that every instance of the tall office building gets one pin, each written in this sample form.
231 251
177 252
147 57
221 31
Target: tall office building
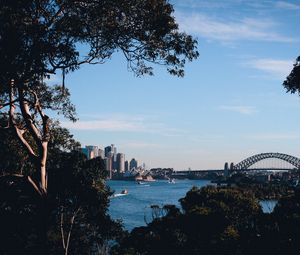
108 165
101 153
110 148
126 166
85 152
92 151
107 150
121 162
133 164
114 149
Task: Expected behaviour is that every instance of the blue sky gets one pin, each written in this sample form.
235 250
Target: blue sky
230 104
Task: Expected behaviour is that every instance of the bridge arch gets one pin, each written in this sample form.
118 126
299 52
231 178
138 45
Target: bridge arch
246 163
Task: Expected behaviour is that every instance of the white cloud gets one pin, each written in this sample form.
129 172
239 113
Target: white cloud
105 125
200 4
247 110
287 5
124 123
230 31
275 136
274 67
140 145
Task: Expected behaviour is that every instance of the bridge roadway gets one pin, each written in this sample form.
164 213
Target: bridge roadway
195 173
199 173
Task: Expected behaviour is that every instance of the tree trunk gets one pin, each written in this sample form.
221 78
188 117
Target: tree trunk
41 138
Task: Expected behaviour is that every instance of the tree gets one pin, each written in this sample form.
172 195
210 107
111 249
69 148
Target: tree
79 220
213 221
287 217
292 82
14 160
76 219
43 37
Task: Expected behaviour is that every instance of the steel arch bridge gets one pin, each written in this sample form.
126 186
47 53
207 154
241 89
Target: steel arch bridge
246 163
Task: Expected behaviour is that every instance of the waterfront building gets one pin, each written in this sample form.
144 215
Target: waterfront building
115 162
226 170
121 162
133 164
126 166
108 165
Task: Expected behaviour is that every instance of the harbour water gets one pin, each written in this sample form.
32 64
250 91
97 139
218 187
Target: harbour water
134 208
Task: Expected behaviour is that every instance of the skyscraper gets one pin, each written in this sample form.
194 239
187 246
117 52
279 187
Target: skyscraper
121 162
101 153
107 150
126 166
92 151
108 165
85 152
133 164
112 148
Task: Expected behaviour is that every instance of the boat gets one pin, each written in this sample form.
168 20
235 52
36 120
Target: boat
124 192
171 181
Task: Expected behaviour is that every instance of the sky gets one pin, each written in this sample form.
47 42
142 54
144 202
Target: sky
230 105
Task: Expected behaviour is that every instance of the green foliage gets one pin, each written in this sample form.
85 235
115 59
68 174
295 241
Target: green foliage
14 160
76 188
223 201
19 220
40 37
292 82
43 37
80 192
220 221
287 216
213 221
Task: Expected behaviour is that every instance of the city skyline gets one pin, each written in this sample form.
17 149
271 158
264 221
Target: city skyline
114 161
230 105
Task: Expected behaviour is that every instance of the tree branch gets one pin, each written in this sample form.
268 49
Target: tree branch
34 185
62 228
7 104
25 144
28 119
12 107
70 231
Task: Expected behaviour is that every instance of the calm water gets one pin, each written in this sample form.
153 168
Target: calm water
134 208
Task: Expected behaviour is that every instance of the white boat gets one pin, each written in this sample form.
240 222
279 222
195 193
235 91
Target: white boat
171 181
118 195
124 192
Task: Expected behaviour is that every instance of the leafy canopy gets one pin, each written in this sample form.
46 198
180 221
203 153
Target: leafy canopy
40 37
292 82
43 37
